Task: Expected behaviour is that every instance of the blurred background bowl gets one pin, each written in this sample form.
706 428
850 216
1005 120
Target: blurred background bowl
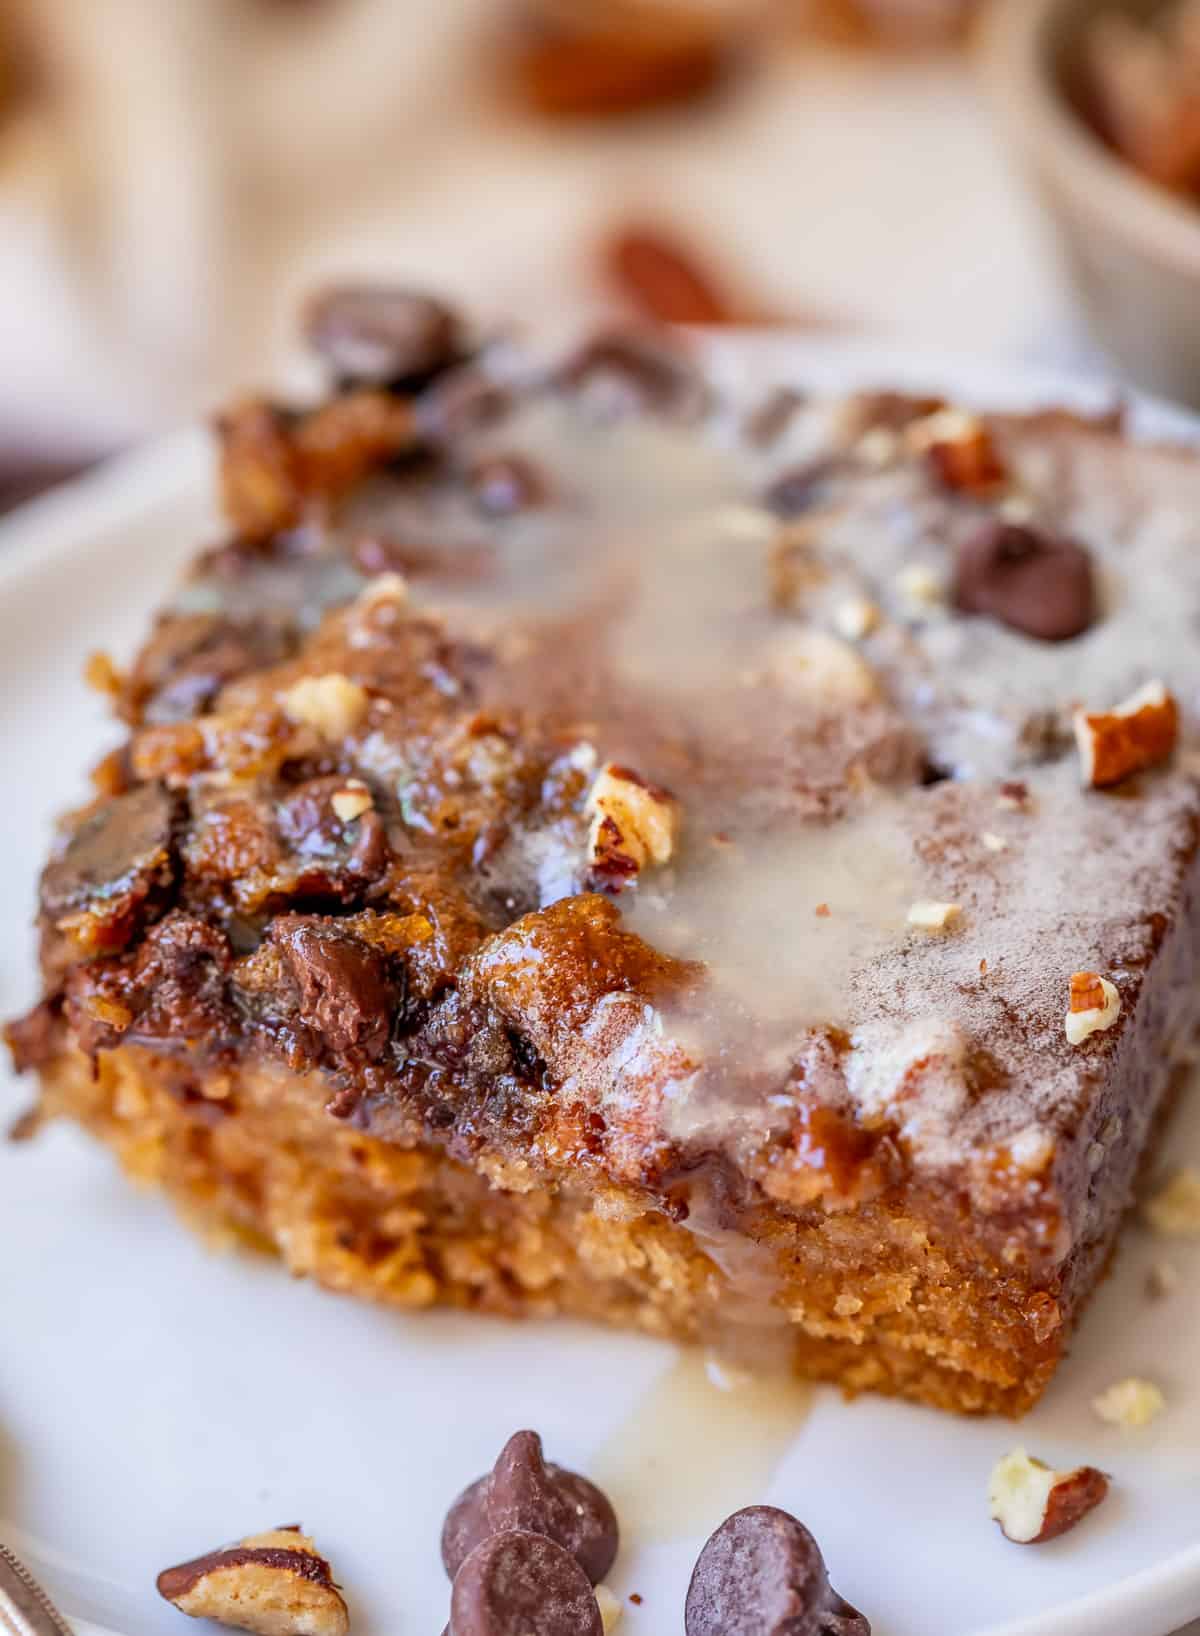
1131 247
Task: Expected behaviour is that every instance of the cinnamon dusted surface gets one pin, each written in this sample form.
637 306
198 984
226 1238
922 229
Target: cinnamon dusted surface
752 1020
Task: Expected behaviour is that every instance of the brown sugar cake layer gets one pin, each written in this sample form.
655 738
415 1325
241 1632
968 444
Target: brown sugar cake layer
590 843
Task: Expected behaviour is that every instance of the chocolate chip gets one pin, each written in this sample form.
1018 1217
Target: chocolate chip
344 992
1037 583
377 335
117 863
527 1492
522 1584
762 1574
504 484
631 374
801 487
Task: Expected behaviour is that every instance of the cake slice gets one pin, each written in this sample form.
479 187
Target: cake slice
591 842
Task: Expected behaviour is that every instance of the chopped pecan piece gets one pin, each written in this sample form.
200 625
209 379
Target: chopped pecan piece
960 451
1135 735
1034 1503
633 825
1095 1005
274 1583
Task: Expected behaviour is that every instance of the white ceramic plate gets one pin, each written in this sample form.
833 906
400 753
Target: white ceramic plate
156 1400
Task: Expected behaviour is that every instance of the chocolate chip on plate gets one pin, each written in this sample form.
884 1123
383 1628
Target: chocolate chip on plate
522 1584
1038 583
525 1491
378 335
762 1574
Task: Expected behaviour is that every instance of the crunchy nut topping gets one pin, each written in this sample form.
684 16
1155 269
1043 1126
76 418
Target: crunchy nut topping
1130 1403
1174 1211
332 704
824 667
610 1608
274 1583
928 916
921 589
633 825
1033 1503
959 449
352 800
1094 1005
1137 734
994 842
855 618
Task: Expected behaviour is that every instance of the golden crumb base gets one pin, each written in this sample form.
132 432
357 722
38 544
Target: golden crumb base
864 1299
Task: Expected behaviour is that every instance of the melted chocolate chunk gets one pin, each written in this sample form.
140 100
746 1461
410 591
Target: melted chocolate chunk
505 484
524 1491
522 1584
377 335
1039 584
189 658
762 1574
345 995
116 867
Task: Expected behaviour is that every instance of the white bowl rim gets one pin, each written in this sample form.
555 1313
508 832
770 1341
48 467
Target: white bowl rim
1011 51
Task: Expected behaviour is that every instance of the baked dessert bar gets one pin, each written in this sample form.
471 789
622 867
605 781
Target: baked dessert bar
594 840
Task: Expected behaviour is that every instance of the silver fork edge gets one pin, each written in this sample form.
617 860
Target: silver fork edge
25 1609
